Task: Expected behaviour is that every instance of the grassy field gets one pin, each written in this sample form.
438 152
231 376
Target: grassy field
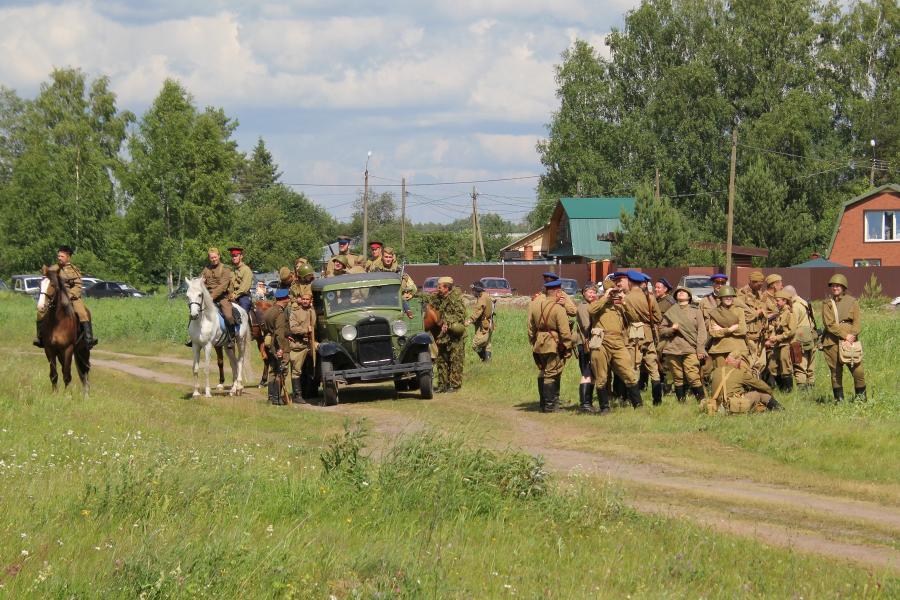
138 492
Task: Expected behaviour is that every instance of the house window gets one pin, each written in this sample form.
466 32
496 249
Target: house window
881 226
866 262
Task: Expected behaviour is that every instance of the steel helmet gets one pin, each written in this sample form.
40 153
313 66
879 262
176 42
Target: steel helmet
304 271
838 279
726 291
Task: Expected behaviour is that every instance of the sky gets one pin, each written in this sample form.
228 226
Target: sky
441 91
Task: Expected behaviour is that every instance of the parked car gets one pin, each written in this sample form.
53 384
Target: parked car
87 281
429 286
497 287
27 284
569 286
3 286
112 289
699 285
365 336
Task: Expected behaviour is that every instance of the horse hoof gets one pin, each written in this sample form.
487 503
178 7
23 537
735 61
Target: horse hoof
220 387
195 395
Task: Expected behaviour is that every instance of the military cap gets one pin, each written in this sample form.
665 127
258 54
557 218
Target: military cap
552 284
476 286
282 293
681 288
235 250
388 250
665 282
757 276
550 275
618 275
284 274
67 249
343 239
375 244
839 279
304 271
773 278
726 291
445 280
716 276
783 294
636 276
213 250
341 259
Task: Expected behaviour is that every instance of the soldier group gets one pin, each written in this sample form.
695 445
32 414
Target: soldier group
729 349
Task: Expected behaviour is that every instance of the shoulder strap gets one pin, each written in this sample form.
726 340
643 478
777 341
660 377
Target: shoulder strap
725 377
837 319
545 314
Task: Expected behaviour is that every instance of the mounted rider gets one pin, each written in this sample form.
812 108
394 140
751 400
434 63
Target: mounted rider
71 279
241 280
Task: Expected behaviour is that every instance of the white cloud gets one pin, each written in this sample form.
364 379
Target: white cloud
509 149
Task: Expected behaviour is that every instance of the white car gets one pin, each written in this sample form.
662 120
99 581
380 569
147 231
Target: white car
27 284
700 285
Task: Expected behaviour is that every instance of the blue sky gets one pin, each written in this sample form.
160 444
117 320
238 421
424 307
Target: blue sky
451 90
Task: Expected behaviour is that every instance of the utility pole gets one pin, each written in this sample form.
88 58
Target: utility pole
872 170
403 216
730 226
474 221
478 229
657 184
365 239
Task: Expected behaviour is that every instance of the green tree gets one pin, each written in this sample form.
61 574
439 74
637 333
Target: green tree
257 171
63 155
655 235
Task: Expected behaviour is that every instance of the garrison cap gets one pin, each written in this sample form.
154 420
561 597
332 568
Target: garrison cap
445 280
67 249
717 276
284 274
665 282
213 250
388 250
234 250
773 278
282 293
552 284
550 275
757 276
784 295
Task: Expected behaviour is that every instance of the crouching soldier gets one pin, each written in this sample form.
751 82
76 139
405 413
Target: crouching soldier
551 342
275 322
302 338
736 390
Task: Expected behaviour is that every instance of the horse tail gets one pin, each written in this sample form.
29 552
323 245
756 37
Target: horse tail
245 338
82 359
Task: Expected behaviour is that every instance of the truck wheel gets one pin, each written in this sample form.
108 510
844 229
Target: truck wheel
425 388
329 384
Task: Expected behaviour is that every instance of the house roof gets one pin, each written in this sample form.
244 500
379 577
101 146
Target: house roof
590 219
888 187
817 263
524 238
735 250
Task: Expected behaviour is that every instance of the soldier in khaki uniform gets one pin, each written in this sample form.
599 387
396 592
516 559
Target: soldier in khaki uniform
711 302
774 284
217 280
482 317
750 298
241 280
806 336
843 327
376 248
644 318
780 335
608 345
735 390
275 324
684 332
352 260
551 342
387 262
663 290
302 283
568 303
71 279
582 334
302 339
727 328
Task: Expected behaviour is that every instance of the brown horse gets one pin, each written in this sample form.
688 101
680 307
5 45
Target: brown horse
59 330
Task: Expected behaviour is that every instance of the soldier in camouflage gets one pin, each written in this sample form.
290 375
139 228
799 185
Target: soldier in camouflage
451 342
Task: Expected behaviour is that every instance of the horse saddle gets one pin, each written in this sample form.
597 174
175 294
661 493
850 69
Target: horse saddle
235 314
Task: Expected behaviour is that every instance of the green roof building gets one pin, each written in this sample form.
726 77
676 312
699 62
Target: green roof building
583 229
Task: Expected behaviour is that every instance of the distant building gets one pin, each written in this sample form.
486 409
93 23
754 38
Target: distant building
528 247
741 256
582 229
867 231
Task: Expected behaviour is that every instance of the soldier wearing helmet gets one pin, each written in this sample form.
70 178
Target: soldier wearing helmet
727 327
780 335
304 275
842 323
685 334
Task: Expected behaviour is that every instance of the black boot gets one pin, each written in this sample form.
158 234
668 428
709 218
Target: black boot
190 343
89 340
642 380
774 405
787 383
586 396
603 400
553 401
770 380
680 393
860 394
656 389
699 393
37 338
487 356
838 394
634 395
542 393
297 396
274 393
550 398
667 387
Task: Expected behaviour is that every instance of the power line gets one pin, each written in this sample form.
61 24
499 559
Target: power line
434 183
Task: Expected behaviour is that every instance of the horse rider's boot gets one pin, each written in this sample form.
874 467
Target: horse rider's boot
541 393
550 397
37 338
274 396
297 395
656 388
89 340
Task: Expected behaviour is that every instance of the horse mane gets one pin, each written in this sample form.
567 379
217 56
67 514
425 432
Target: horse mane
60 296
208 303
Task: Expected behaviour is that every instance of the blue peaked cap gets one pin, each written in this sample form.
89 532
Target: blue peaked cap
552 276
281 293
552 284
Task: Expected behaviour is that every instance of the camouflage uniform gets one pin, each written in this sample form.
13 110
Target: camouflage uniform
451 345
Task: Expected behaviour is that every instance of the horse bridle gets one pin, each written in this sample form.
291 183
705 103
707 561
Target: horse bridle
199 309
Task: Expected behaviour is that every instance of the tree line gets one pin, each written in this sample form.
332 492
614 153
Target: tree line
806 84
142 198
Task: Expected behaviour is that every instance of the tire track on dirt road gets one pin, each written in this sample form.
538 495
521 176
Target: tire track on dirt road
538 439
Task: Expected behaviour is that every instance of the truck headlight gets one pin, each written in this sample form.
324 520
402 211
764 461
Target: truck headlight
348 332
399 328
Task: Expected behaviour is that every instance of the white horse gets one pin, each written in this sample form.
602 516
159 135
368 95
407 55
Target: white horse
207 333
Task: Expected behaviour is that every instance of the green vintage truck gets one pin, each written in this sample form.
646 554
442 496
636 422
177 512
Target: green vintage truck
365 335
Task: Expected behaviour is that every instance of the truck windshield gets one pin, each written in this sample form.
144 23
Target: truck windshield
376 296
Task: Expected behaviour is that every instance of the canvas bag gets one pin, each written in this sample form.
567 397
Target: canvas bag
850 353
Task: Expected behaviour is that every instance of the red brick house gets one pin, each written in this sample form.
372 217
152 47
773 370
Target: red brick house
867 233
